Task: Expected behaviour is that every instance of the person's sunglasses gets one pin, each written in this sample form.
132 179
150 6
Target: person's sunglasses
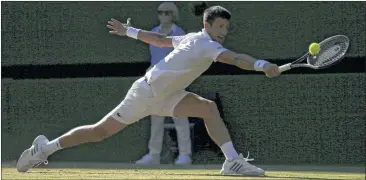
165 13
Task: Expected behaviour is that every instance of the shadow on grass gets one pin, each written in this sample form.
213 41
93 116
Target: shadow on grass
254 177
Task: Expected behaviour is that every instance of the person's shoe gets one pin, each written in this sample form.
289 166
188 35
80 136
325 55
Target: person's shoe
183 160
149 159
33 156
240 166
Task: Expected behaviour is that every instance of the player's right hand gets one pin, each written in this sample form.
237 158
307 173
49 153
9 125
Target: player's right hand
117 27
271 70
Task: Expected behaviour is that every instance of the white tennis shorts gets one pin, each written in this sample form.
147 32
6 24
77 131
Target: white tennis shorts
140 102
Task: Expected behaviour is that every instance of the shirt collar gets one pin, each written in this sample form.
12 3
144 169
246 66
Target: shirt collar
204 32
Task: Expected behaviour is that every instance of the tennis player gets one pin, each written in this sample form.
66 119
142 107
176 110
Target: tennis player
161 92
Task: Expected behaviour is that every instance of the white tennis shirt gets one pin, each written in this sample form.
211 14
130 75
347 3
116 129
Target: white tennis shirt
193 54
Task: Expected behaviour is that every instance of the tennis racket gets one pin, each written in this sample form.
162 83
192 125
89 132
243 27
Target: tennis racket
332 51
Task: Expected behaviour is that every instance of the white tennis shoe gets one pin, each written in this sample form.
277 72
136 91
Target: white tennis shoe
183 160
240 166
149 159
33 156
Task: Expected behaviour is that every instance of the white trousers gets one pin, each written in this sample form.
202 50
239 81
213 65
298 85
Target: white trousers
157 133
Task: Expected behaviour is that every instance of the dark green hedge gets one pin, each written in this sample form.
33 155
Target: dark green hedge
75 32
290 119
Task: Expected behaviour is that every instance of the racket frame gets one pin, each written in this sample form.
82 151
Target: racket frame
291 65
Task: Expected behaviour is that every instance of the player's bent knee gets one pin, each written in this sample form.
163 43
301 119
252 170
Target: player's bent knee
212 105
210 109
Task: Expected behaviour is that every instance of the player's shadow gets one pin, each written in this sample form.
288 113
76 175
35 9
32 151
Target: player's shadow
253 177
274 177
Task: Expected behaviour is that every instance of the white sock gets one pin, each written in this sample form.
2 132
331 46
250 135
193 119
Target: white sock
229 151
51 147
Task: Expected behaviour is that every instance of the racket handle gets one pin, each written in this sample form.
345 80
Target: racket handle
285 67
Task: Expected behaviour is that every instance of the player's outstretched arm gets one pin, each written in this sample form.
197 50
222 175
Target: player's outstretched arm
247 62
149 37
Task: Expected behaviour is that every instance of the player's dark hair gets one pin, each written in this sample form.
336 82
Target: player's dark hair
211 13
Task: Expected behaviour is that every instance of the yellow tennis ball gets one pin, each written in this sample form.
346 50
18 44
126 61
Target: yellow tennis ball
314 48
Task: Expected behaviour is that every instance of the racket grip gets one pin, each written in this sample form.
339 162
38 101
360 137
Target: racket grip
285 67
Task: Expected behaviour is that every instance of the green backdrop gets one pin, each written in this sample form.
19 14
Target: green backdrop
291 119
287 120
75 32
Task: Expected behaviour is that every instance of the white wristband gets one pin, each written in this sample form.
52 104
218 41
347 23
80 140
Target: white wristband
258 65
132 32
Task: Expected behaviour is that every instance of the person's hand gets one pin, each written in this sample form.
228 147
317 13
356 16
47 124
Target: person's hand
271 70
117 27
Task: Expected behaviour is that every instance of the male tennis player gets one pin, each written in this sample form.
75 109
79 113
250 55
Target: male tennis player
160 92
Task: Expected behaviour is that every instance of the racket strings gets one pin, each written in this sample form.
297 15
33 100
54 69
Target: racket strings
331 52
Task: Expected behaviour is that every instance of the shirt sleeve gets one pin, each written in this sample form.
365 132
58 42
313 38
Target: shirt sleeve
213 49
176 40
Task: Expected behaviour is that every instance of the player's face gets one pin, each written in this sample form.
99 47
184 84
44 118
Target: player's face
165 17
218 30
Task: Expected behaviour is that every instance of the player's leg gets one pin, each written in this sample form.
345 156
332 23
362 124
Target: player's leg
193 105
42 148
184 140
131 109
97 132
155 142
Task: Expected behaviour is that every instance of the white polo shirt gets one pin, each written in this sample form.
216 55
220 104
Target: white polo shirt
193 54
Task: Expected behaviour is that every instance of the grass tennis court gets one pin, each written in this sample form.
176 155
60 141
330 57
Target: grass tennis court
39 173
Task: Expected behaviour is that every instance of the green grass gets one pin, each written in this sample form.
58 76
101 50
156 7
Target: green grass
38 173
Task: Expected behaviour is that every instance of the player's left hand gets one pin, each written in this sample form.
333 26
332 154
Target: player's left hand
271 70
117 27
